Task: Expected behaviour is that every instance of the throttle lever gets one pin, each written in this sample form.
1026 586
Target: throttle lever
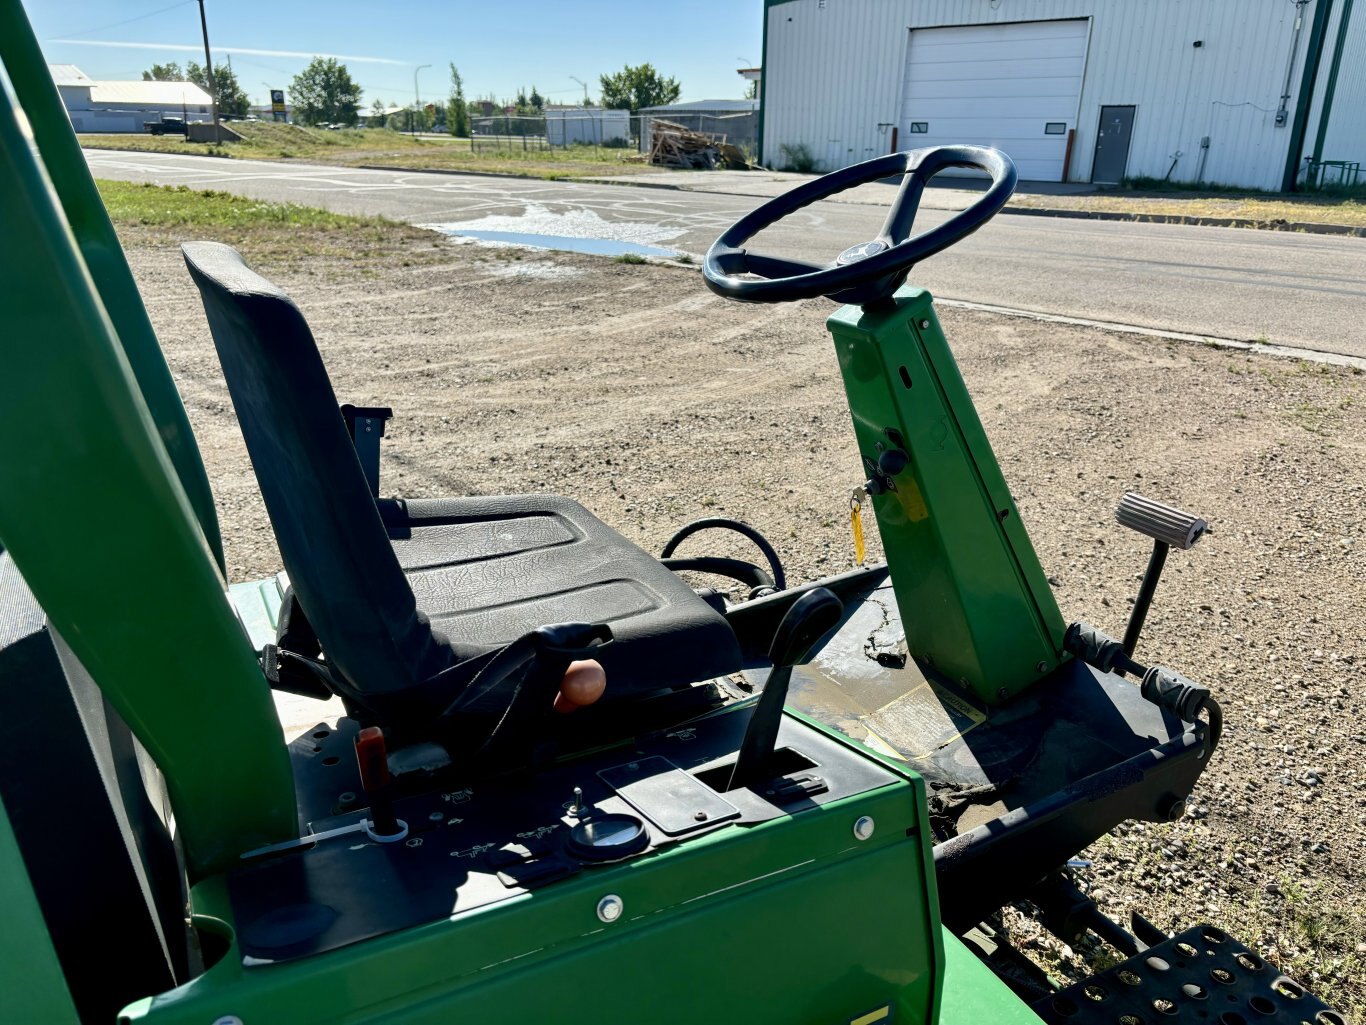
810 618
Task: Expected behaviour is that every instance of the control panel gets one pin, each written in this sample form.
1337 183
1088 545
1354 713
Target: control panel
464 848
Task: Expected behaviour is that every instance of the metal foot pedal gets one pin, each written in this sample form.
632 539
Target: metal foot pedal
1169 527
1202 976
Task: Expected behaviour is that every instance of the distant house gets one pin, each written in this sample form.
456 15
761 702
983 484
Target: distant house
95 106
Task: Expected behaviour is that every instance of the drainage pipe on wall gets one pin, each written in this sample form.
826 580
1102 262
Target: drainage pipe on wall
1283 112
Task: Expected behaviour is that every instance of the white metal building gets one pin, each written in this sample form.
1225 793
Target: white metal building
1223 91
589 126
124 106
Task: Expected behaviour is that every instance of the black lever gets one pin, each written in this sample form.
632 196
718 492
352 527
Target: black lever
1168 527
810 618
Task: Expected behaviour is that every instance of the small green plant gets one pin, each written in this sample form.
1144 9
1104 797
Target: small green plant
683 258
797 158
630 258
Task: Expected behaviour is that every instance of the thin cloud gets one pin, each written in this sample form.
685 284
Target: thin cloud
191 48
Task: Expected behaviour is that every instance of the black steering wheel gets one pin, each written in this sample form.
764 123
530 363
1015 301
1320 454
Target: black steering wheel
870 270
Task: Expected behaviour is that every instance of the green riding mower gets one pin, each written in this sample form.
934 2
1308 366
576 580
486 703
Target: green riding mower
806 806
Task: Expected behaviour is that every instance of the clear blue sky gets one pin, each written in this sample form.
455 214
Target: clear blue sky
498 45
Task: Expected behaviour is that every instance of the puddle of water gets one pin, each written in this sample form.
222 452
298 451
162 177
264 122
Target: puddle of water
565 243
575 231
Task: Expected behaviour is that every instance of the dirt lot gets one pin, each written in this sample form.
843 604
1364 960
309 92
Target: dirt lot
653 402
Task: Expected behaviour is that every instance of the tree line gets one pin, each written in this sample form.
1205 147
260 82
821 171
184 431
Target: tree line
324 93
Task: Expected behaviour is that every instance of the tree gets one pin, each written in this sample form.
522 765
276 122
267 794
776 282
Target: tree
169 72
377 116
230 96
457 110
641 86
536 101
324 93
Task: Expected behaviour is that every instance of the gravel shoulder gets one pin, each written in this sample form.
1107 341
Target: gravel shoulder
653 402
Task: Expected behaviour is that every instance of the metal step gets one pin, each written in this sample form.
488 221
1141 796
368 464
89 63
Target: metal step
1202 976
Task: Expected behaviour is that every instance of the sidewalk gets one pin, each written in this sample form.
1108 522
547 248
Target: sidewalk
1030 199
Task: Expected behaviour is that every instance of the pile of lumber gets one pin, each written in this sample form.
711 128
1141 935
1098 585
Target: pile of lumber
672 145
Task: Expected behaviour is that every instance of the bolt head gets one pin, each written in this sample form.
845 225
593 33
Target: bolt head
924 325
610 908
863 827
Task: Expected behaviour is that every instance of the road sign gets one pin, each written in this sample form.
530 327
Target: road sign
277 104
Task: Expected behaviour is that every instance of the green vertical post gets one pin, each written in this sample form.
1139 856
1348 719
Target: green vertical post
91 507
1330 87
974 601
34 988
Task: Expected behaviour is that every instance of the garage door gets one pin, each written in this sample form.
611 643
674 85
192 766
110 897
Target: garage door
1013 86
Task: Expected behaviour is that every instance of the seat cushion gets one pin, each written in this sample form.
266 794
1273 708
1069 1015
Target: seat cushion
487 570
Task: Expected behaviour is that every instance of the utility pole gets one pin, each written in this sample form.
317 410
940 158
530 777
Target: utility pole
208 69
417 97
585 88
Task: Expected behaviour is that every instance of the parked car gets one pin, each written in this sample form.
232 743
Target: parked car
165 126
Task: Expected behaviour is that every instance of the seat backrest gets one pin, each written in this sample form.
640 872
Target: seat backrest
332 540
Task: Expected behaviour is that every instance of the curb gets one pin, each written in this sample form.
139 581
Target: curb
482 174
1311 227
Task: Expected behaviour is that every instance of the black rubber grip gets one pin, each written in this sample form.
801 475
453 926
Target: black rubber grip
1159 521
1171 690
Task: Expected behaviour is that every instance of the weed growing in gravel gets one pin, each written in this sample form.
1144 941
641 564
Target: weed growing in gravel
630 258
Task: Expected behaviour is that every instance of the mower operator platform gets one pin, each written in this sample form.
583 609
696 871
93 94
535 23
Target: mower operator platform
498 890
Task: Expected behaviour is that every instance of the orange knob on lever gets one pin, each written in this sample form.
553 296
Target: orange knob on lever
372 756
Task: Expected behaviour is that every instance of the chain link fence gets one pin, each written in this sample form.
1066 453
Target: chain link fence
606 131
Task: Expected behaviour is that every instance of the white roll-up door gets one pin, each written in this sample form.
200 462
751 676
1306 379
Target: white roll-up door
1013 86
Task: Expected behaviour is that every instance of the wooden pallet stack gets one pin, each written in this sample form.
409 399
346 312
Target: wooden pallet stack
672 145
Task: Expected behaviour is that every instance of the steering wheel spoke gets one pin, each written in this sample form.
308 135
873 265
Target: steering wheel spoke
777 268
901 217
871 270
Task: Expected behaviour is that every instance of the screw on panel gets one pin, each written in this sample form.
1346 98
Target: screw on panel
863 827
924 325
1042 667
610 908
228 1019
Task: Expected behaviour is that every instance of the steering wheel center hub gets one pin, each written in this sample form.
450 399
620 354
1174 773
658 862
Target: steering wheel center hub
861 252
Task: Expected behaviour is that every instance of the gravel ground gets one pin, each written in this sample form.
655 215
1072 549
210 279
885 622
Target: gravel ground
634 390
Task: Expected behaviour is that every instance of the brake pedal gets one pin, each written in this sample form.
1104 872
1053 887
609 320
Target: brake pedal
1161 522
1169 527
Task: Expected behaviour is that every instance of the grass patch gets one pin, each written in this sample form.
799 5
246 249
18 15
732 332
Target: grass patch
176 205
160 215
1262 207
381 147
629 258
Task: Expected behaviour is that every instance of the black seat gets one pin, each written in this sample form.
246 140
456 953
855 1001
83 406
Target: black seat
430 586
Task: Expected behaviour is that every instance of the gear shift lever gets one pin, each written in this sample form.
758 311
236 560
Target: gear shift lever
809 619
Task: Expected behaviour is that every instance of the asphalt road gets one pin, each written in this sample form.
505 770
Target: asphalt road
1300 290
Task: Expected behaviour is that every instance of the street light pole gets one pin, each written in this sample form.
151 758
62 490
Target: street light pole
585 88
417 97
208 70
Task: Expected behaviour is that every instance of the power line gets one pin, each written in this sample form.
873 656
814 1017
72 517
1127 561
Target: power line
129 21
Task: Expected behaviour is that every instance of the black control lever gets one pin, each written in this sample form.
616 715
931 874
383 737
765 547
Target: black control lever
810 618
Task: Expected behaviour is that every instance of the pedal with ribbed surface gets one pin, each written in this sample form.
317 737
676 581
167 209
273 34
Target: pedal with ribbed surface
1160 521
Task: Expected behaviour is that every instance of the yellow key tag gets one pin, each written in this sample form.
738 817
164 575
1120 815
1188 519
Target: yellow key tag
856 524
